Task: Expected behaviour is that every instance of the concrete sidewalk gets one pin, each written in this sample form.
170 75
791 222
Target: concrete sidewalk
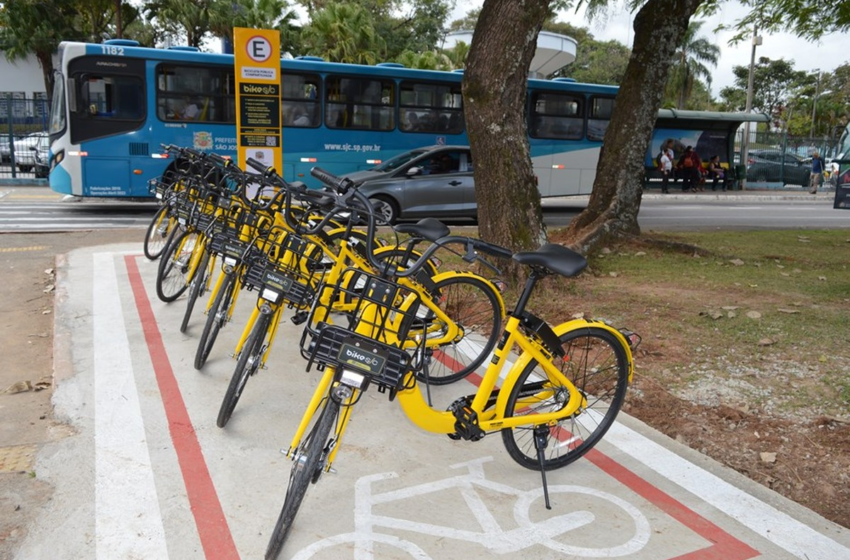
149 475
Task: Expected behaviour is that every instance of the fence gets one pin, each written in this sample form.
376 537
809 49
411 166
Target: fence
777 160
20 117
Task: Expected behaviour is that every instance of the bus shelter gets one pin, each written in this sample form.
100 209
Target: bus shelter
710 133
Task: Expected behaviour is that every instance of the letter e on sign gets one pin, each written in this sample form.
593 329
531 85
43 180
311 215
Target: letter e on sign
259 49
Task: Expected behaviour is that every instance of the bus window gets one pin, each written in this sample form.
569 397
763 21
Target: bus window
359 103
300 97
211 90
601 109
431 107
556 115
112 97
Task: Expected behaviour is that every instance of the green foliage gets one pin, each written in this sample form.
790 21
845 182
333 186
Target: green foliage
428 60
808 19
690 63
344 32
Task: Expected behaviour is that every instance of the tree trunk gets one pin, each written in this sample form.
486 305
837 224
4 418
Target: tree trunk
494 93
614 203
45 60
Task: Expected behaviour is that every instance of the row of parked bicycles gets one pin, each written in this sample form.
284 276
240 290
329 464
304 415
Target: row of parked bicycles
379 311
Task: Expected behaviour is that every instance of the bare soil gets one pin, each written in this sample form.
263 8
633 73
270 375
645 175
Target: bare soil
737 404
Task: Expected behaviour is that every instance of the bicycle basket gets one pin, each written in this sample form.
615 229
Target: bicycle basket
231 233
286 270
372 323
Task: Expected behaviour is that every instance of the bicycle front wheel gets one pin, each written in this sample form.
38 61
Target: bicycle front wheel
596 362
246 366
216 318
476 308
173 275
157 234
307 467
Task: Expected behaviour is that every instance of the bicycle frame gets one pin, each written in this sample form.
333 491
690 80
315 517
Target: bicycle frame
491 418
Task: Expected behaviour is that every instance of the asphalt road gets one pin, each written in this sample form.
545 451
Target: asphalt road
31 209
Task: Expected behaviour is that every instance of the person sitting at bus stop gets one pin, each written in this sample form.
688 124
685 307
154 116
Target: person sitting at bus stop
715 173
689 166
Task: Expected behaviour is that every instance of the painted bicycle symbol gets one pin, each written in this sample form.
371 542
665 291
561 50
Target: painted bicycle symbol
552 533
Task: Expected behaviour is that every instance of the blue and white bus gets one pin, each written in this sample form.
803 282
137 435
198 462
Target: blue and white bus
115 103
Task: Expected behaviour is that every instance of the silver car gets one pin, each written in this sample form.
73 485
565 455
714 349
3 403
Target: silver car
434 181
25 149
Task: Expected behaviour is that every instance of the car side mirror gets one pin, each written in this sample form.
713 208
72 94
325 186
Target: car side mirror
413 171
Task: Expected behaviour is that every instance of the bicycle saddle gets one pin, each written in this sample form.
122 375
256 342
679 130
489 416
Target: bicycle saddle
426 228
556 258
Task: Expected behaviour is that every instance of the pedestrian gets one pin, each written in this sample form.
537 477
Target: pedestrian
665 166
818 166
668 148
715 172
689 166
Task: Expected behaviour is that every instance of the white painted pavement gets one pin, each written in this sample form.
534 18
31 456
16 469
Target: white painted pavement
399 492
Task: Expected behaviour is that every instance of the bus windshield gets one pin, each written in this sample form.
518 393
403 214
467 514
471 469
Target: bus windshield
57 108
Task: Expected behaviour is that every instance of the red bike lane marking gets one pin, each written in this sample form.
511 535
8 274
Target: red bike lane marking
213 530
724 546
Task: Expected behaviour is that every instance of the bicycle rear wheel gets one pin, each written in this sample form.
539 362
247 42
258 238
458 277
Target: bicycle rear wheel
157 233
476 307
246 366
306 468
596 363
216 319
173 275
198 286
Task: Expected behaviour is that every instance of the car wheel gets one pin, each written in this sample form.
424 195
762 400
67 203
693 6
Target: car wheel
25 168
387 209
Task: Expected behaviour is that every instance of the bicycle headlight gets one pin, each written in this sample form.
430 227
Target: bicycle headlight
270 295
353 379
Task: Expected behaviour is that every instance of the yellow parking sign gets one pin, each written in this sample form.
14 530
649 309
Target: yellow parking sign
257 70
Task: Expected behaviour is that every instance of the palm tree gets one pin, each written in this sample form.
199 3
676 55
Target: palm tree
457 54
428 60
255 14
344 33
689 62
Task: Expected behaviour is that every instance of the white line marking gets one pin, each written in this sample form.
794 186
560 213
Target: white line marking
128 521
763 519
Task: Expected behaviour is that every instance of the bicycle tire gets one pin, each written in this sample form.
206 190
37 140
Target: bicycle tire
197 286
216 319
306 468
597 364
173 274
246 366
156 237
476 307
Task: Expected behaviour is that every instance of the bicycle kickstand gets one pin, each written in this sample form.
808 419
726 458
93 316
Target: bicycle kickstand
541 441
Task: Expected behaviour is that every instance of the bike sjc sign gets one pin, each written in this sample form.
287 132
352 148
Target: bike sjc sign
257 70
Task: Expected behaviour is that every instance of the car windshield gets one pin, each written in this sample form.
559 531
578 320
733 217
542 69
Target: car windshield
394 163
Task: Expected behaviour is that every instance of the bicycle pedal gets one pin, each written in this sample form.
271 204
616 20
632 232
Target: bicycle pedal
299 317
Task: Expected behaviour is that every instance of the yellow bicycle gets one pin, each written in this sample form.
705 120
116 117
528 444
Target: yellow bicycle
558 398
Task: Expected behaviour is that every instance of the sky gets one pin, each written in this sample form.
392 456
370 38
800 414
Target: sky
831 52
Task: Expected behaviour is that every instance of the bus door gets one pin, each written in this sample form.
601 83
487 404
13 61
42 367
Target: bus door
107 101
